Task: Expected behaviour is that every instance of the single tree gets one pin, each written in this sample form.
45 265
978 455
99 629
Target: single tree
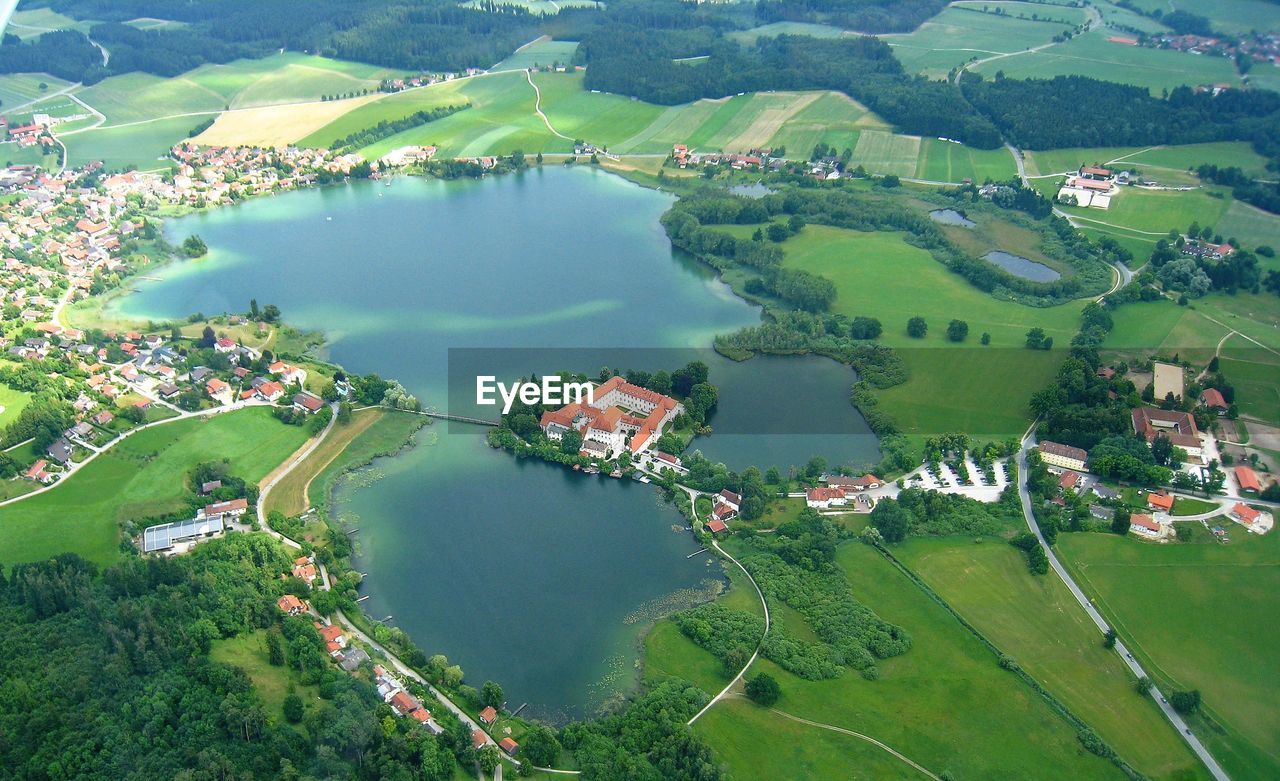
1120 521
763 690
917 327
957 330
491 694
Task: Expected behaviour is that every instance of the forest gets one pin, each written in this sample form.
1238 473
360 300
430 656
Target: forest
1050 114
432 35
127 652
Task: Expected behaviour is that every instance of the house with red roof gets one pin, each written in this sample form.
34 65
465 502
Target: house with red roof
508 745
1144 525
1245 514
488 715
731 499
404 704
1212 399
1247 479
305 402
716 526
821 498
218 390
1161 502
270 390
1069 479
478 738
38 472
291 605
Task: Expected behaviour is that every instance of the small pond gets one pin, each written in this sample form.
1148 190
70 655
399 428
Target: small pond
951 217
1022 267
755 190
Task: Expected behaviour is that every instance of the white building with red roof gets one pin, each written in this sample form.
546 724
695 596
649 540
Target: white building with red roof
821 498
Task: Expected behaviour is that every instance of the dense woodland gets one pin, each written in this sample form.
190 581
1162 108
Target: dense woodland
1049 113
110 677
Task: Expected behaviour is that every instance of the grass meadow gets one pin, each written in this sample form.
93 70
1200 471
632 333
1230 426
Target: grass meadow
1037 622
1091 54
965 386
962 32
12 402
1199 616
141 477
248 651
1232 16
17 89
947 691
542 52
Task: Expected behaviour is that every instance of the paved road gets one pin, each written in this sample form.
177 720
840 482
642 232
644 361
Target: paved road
1173 716
754 655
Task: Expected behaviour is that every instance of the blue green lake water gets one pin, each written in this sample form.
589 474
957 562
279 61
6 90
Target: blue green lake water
521 572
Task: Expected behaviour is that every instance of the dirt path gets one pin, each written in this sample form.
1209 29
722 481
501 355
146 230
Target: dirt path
537 107
923 770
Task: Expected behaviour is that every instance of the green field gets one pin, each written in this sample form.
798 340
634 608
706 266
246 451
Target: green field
11 404
774 29
880 275
1118 18
1093 55
145 146
17 89
249 653
1210 627
140 478
1158 211
1254 373
1232 16
946 704
943 161
960 34
1037 622
1249 225
544 52
29 23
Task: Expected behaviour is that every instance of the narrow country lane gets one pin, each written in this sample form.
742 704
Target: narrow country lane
1028 442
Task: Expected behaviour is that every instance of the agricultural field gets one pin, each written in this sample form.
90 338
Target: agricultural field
945 161
774 29
141 477
1251 226
962 32
1037 622
276 125
1093 55
947 691
1156 212
1209 591
542 52
1122 21
1253 372
36 21
1232 16
17 89
145 146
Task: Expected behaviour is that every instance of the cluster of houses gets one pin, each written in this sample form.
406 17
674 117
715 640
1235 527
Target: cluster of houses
620 417
753 160
725 506
1197 248
401 84
406 155
350 658
1261 47
37 132
839 490
142 370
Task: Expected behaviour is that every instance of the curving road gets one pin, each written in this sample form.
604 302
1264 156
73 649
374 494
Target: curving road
725 691
1028 442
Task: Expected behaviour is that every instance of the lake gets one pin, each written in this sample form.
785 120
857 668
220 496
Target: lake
524 573
1022 267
